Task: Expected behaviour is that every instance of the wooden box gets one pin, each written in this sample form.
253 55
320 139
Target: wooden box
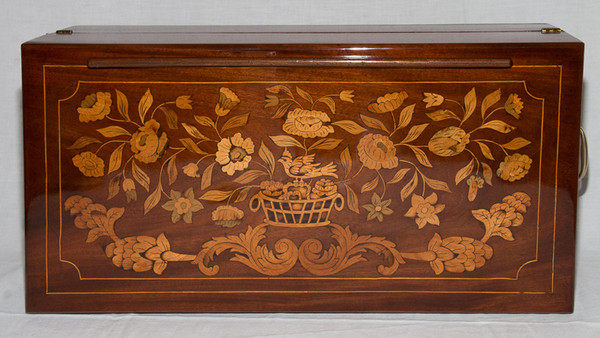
375 168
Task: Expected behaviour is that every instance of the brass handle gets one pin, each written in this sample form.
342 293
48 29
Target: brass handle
584 154
296 62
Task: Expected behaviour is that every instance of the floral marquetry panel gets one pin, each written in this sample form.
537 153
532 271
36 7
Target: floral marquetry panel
389 160
202 185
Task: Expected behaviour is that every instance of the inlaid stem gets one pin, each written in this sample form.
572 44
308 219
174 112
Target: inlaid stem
420 256
171 256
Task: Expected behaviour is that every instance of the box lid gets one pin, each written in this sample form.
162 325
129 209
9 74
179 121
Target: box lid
349 34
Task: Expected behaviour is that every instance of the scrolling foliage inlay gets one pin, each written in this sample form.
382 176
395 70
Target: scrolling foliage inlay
301 176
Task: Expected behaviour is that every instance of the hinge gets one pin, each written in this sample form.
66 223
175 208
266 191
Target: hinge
64 32
552 30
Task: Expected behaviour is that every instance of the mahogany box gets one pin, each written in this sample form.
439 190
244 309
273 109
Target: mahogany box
284 168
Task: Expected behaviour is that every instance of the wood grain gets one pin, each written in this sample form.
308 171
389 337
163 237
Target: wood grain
252 184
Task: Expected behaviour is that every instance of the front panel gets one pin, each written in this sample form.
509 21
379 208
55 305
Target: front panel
296 189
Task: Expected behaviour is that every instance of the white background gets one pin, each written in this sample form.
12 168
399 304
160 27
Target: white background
25 19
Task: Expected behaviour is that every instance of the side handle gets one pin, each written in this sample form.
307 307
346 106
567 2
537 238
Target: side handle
583 169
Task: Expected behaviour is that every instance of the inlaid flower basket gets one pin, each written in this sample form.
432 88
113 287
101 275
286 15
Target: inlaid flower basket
297 213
